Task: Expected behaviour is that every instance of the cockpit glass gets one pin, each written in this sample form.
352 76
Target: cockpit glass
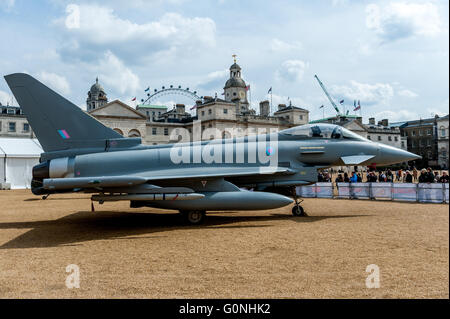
351 135
322 130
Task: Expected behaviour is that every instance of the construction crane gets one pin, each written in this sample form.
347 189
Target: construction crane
328 95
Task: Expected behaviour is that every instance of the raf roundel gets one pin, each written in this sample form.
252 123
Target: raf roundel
269 151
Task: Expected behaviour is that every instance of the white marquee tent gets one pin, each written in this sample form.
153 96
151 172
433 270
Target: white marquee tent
17 158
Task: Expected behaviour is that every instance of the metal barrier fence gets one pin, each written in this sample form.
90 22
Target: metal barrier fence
423 193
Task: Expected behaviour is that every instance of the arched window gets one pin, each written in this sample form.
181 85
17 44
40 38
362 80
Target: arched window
118 130
134 133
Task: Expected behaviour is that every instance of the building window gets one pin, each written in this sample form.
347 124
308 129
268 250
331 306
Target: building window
368 137
26 127
390 138
203 113
166 131
11 126
428 142
153 130
413 143
301 117
403 144
209 111
421 143
225 111
413 133
396 138
429 132
379 137
234 93
11 111
0 126
443 132
420 132
148 113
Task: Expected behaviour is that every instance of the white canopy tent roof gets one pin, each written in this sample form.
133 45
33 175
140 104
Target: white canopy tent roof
17 158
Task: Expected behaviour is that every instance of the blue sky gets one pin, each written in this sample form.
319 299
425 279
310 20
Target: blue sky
390 55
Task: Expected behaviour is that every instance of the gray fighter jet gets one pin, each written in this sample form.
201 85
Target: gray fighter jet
248 173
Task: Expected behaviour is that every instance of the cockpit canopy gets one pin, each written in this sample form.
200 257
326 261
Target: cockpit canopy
322 130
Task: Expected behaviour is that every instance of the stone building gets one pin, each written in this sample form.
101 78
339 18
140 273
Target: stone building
442 141
13 122
383 132
421 138
96 97
214 117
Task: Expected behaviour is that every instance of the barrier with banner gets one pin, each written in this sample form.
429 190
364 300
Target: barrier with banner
424 193
381 190
324 190
360 190
446 192
430 193
405 192
343 190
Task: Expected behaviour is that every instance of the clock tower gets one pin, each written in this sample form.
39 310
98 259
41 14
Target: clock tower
235 89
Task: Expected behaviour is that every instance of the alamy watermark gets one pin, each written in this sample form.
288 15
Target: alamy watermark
230 145
73 279
373 279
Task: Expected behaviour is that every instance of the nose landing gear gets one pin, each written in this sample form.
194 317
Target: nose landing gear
297 210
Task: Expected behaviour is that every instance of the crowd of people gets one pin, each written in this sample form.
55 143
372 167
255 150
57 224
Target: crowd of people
402 176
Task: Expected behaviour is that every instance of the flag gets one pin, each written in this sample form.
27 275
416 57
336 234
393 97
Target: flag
247 87
223 93
193 107
321 106
270 90
342 101
147 89
357 107
133 99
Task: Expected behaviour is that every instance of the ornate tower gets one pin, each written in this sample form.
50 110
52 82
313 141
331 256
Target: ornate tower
96 97
235 89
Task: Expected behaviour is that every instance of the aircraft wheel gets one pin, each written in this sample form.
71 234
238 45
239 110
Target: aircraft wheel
298 211
194 217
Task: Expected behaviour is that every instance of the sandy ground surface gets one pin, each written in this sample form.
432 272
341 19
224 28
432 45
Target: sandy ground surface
147 253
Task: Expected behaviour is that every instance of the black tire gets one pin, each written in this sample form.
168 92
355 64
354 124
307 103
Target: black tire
193 217
298 211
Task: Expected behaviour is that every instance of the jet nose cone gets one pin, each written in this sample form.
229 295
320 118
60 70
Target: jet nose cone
393 155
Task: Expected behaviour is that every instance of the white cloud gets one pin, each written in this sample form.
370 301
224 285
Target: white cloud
337 3
277 45
396 116
292 70
214 79
56 82
407 93
401 20
7 5
5 98
114 73
378 93
101 29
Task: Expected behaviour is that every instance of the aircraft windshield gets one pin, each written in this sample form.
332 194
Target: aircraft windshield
322 130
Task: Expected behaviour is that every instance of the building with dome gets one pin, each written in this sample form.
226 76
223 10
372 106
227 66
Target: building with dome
235 89
96 97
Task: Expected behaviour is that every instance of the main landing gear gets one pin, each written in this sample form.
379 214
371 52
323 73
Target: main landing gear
193 217
297 210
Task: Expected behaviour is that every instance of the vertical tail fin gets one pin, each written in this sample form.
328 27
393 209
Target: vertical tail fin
57 123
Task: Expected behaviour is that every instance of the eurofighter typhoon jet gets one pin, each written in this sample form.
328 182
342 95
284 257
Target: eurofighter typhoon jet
247 173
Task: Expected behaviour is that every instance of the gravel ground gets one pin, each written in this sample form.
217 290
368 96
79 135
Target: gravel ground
149 253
